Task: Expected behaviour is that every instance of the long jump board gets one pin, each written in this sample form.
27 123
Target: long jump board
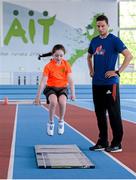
61 156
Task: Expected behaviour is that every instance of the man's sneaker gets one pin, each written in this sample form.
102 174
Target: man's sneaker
61 127
97 147
114 148
50 129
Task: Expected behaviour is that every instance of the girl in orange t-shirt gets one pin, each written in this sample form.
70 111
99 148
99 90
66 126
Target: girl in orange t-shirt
56 77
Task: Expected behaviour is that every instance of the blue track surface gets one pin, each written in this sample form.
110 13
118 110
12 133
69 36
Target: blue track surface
31 130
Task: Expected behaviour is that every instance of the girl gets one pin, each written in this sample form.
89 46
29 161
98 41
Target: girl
56 76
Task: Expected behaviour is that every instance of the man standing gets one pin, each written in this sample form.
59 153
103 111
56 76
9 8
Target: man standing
102 57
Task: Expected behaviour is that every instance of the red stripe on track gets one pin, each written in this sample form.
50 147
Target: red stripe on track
85 122
7 117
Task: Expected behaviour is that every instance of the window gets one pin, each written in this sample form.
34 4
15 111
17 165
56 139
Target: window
127 33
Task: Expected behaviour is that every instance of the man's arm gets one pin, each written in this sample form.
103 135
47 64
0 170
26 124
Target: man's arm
90 64
127 58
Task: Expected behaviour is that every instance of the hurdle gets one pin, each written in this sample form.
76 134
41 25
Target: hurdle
61 157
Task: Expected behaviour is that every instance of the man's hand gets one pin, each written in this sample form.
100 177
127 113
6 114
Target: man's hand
91 74
110 74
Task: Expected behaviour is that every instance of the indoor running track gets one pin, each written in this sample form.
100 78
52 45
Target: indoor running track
23 126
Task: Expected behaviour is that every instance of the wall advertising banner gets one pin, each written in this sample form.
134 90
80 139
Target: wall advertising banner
32 27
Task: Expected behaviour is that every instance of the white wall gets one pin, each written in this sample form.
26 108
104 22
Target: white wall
71 19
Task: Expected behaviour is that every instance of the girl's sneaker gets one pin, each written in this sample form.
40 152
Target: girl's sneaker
50 129
61 127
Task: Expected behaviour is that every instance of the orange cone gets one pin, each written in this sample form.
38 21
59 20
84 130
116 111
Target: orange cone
5 101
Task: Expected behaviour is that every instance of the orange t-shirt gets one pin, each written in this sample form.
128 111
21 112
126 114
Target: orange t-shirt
57 74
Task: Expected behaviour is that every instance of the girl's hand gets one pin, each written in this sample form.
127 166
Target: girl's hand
72 97
37 101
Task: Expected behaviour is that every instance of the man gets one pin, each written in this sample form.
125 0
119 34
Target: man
104 50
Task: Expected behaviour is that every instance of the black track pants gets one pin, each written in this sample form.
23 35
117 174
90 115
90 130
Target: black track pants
106 99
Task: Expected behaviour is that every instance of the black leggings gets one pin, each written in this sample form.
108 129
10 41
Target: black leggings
106 98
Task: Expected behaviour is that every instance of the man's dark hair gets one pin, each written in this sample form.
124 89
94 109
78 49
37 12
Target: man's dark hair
102 18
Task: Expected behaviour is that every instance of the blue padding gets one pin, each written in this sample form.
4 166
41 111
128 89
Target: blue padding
82 91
